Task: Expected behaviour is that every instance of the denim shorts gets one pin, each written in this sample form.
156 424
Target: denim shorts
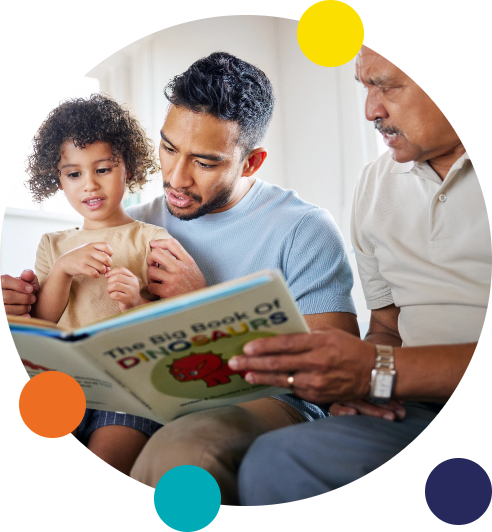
94 419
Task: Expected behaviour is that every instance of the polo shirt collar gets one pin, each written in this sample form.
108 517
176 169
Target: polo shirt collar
425 170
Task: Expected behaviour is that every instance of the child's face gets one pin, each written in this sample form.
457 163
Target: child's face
93 183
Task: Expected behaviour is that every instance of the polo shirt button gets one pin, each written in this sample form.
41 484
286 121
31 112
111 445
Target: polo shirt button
443 198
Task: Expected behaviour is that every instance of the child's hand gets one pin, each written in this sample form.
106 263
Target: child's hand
91 259
123 287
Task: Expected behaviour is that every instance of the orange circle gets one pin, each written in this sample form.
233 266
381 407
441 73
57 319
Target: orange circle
52 404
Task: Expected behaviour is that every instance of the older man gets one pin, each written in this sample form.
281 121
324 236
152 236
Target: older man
422 241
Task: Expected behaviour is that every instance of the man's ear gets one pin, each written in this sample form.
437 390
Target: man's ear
253 161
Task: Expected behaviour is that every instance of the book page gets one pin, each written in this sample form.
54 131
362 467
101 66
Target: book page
102 392
178 363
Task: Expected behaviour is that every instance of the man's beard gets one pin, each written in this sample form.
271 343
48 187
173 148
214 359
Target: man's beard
213 204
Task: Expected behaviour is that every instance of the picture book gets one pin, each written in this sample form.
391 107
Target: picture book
167 358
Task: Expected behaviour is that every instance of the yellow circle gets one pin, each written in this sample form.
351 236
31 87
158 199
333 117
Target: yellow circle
330 33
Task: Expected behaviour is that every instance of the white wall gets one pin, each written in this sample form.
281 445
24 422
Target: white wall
318 139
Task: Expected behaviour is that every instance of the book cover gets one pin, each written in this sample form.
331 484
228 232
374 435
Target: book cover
168 358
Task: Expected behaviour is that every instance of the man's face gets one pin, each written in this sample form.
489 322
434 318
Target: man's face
412 125
201 163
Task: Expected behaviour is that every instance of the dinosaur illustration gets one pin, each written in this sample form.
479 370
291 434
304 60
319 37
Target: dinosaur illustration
34 366
207 366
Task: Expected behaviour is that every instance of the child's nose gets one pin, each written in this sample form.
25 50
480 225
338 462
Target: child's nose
91 183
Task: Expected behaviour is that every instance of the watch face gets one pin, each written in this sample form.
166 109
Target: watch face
383 385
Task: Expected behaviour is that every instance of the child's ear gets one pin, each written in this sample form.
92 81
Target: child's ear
59 185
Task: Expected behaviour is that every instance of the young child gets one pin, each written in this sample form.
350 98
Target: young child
93 150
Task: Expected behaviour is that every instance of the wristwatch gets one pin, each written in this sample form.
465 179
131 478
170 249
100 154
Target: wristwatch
383 375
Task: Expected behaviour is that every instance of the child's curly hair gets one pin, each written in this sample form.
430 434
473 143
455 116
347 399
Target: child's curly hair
83 122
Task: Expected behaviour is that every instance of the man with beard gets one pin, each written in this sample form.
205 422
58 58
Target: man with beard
226 224
422 241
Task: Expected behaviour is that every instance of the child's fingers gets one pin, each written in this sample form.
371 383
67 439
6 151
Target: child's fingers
121 297
94 268
102 257
103 246
118 286
119 270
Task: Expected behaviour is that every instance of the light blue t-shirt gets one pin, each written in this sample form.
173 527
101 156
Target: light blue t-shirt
269 228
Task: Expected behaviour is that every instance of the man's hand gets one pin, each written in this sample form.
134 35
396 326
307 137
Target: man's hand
327 366
123 287
180 274
391 411
19 293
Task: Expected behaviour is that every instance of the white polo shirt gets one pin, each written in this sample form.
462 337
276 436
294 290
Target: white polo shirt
424 245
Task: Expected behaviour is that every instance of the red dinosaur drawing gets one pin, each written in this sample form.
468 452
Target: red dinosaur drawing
34 366
207 366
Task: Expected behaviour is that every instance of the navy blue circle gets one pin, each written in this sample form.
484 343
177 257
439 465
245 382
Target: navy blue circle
458 491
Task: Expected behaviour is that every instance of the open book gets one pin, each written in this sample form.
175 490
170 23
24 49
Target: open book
167 358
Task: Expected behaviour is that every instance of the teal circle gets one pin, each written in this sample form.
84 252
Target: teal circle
187 498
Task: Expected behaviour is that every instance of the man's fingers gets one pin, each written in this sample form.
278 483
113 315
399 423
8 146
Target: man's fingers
173 246
17 310
270 379
18 285
10 297
339 409
285 343
29 276
277 363
162 257
390 411
156 274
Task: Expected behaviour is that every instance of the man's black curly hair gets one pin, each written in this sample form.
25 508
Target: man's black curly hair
84 121
230 89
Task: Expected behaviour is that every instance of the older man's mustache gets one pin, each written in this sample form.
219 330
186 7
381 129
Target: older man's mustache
378 124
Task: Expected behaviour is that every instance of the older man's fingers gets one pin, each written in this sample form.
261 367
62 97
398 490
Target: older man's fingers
286 343
277 363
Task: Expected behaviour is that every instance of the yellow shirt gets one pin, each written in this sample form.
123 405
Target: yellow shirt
89 300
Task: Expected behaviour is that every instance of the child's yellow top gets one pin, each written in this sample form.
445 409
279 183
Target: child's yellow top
89 300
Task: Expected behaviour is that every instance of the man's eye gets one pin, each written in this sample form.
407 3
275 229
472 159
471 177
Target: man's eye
203 165
169 150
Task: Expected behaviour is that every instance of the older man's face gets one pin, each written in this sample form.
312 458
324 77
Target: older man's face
411 124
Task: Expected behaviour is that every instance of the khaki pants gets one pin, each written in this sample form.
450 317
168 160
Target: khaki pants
215 440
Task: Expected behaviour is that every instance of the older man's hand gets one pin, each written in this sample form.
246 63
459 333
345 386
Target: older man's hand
19 294
392 411
326 366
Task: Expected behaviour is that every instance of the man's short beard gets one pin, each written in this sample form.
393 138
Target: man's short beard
213 204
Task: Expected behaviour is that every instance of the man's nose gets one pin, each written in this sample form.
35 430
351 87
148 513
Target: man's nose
374 106
179 174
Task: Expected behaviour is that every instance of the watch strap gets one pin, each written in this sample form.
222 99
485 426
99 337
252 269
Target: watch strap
383 375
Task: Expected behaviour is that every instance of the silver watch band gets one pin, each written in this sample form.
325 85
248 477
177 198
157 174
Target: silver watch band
383 375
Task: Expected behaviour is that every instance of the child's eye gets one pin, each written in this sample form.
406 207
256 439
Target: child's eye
103 170
73 175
